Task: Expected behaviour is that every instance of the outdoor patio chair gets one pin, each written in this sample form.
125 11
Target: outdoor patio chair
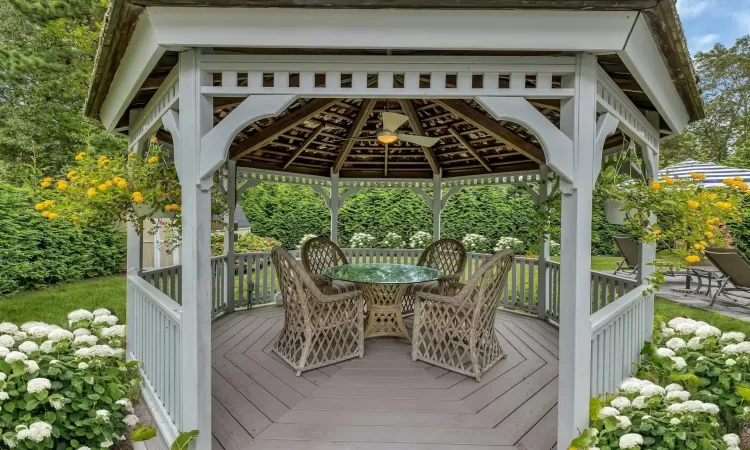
319 330
458 332
446 255
629 251
735 268
321 253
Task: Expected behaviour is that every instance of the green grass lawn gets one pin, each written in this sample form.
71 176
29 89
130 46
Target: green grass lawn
669 310
53 304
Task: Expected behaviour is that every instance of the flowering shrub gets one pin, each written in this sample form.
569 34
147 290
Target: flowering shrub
510 243
245 243
66 388
554 248
690 217
476 243
306 238
420 239
362 240
393 240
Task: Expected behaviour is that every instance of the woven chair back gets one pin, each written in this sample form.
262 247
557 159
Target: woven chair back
321 253
446 255
295 285
482 292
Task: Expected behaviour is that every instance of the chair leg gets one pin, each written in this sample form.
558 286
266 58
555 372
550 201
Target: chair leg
361 328
619 266
415 336
720 290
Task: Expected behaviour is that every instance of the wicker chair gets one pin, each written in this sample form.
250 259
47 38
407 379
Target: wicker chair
321 253
319 329
446 255
458 332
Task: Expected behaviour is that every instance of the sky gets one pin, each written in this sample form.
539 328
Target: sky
707 22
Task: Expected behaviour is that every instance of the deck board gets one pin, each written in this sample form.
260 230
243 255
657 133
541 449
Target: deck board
384 400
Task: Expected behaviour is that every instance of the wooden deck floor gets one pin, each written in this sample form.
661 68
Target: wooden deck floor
384 400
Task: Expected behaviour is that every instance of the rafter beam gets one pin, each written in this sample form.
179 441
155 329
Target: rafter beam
354 131
499 132
470 149
304 145
416 127
281 126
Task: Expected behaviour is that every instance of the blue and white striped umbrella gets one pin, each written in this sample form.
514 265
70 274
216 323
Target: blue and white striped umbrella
714 172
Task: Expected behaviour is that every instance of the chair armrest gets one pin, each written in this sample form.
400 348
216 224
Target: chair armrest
319 280
428 296
339 297
451 278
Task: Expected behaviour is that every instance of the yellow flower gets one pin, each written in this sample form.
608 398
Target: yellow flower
708 234
116 179
729 181
739 179
108 183
48 179
62 185
723 205
172 207
91 192
44 184
692 204
131 154
137 197
102 187
741 186
52 216
154 140
655 232
70 174
698 176
80 156
122 184
655 185
40 206
692 259
704 244
153 159
670 181
45 214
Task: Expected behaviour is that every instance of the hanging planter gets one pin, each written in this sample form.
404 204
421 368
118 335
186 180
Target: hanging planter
616 213
146 211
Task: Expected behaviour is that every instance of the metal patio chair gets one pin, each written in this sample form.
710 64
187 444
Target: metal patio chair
321 253
458 332
446 255
629 251
319 329
735 270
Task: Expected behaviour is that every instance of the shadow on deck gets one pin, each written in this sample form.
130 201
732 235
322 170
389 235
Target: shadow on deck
384 400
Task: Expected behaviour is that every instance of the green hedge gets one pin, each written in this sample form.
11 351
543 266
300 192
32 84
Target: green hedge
35 251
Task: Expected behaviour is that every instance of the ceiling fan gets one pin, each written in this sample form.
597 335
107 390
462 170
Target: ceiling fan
388 132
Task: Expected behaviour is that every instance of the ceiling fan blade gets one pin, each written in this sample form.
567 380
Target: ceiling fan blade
355 139
391 121
424 141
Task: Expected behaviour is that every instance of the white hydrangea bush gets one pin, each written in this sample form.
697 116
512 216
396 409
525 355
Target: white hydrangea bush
554 248
420 239
393 240
510 243
304 239
66 388
362 240
476 243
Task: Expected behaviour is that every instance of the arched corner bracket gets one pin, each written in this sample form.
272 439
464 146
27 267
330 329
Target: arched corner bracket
605 125
215 144
557 146
171 120
324 194
344 195
453 190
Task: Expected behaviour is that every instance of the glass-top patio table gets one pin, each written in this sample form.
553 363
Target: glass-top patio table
384 287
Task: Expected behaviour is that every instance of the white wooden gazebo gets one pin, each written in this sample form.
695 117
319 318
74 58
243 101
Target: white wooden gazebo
521 92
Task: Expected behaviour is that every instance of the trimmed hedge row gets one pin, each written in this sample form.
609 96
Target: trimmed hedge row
35 251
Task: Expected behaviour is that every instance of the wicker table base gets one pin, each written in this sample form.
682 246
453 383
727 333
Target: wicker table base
384 305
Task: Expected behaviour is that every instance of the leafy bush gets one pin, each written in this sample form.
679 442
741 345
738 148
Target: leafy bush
245 243
362 240
554 248
510 243
420 239
35 251
393 240
476 243
66 388
306 238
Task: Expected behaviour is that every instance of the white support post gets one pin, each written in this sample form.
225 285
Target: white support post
196 119
135 253
578 121
437 204
544 247
334 205
647 252
229 236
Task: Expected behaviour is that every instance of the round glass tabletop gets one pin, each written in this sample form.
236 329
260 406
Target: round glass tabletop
376 273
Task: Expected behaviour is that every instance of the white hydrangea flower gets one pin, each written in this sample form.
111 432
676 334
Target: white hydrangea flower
731 439
732 336
664 352
639 402
8 328
7 341
692 406
652 391
20 336
632 386
730 362
31 366
102 351
630 440
675 421
37 432
2 377
4 396
646 417
56 403
85 340
737 349
674 387
676 344
83 366
608 411
106 444
84 448
55 361
83 353
620 402
694 343
130 420
667 332
81 332
679 362
702 358
60 335
115 331
10 442
710 408
3 352
105 320
677 396
28 325
28 347
39 331
676 321
102 312
706 331
125 403
594 431
47 347
623 422
38 385
79 315
102 414
15 357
